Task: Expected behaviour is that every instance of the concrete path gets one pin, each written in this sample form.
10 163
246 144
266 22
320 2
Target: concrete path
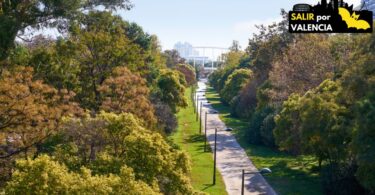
231 158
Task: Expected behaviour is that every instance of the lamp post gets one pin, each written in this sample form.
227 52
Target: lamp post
197 100
262 171
205 129
205 132
214 175
200 119
193 96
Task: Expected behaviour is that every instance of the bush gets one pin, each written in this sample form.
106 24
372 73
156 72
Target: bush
340 179
266 130
189 73
235 82
261 127
218 78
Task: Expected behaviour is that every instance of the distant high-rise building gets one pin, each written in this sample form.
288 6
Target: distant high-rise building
185 50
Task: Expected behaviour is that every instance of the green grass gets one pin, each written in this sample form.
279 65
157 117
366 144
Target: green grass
290 174
188 139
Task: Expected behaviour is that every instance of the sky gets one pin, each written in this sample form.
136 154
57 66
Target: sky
207 22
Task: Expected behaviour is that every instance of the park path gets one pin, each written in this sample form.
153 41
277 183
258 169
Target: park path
231 157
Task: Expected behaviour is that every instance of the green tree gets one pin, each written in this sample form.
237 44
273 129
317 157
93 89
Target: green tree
358 80
109 141
173 58
16 16
43 175
171 90
235 82
102 46
316 123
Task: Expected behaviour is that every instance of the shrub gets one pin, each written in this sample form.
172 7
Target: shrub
235 82
261 127
189 73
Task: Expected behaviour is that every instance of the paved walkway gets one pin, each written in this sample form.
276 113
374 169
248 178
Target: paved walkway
231 158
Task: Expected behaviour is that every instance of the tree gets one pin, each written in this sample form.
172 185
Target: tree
316 123
287 131
233 58
299 69
109 141
127 92
235 82
30 111
358 80
173 58
235 46
16 16
171 90
167 119
102 46
54 62
43 175
188 72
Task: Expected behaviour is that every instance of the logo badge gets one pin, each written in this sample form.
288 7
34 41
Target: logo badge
333 17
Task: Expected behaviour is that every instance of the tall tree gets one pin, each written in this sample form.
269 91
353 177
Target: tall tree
173 58
127 92
16 16
102 45
30 111
299 69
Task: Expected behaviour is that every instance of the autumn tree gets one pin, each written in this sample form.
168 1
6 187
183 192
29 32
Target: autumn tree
299 69
127 92
30 111
188 72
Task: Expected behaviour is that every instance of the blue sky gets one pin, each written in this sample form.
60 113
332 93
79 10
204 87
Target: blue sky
206 22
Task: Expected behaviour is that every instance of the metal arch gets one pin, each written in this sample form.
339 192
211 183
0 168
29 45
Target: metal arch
207 47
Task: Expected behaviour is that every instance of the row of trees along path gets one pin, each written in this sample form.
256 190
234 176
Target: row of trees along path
231 157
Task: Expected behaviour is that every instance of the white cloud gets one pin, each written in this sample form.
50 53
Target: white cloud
248 27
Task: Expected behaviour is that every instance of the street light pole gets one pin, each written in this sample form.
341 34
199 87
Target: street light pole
243 182
197 107
200 119
194 100
205 132
214 176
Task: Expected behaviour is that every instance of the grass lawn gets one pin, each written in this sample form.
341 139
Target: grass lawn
188 139
291 175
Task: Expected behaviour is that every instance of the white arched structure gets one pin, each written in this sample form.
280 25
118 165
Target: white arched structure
207 54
